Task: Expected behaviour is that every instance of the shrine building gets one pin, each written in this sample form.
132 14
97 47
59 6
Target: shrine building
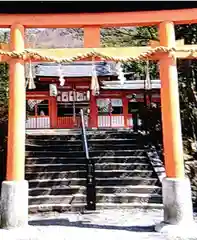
109 101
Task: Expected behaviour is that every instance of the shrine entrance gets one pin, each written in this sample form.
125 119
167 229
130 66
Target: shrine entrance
110 112
69 104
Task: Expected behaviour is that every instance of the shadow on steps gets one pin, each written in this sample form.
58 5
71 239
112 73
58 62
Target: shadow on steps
85 224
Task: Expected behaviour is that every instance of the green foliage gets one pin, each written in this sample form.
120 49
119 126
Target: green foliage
144 34
187 70
3 92
117 37
129 37
141 37
3 83
3 111
125 37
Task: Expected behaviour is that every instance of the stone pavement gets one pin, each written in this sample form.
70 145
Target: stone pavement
110 224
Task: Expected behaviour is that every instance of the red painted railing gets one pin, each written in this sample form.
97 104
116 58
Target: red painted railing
68 122
114 121
111 121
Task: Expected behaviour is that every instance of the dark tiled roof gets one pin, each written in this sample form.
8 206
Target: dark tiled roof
130 84
79 69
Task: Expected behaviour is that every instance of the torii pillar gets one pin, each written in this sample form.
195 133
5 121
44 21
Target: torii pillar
178 212
14 194
92 40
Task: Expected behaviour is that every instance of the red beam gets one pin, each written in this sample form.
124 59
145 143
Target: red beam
80 20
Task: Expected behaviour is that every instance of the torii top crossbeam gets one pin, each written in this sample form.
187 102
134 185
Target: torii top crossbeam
99 20
110 19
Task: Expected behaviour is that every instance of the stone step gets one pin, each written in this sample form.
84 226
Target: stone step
55 175
53 167
65 190
113 146
123 173
56 153
39 141
81 160
79 142
71 131
52 132
34 174
128 198
54 199
62 147
113 135
78 138
56 182
123 166
100 182
99 189
50 137
37 208
111 130
140 205
58 167
79 147
147 189
126 181
100 198
82 207
97 153
90 135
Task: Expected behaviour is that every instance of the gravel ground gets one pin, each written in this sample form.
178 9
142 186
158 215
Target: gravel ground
112 224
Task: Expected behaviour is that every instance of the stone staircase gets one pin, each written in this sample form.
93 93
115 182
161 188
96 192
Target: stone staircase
56 171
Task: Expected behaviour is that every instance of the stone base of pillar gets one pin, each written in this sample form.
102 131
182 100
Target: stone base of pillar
14 204
178 210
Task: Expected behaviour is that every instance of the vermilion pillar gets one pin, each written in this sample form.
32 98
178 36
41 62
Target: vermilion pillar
125 110
17 109
14 191
92 37
172 137
53 112
176 190
92 40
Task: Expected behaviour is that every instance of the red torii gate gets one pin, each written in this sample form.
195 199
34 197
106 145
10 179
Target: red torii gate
176 188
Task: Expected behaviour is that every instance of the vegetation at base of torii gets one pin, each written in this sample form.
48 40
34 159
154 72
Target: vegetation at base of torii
3 110
3 83
187 70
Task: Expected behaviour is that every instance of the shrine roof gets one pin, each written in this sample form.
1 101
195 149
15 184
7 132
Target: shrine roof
129 85
77 69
